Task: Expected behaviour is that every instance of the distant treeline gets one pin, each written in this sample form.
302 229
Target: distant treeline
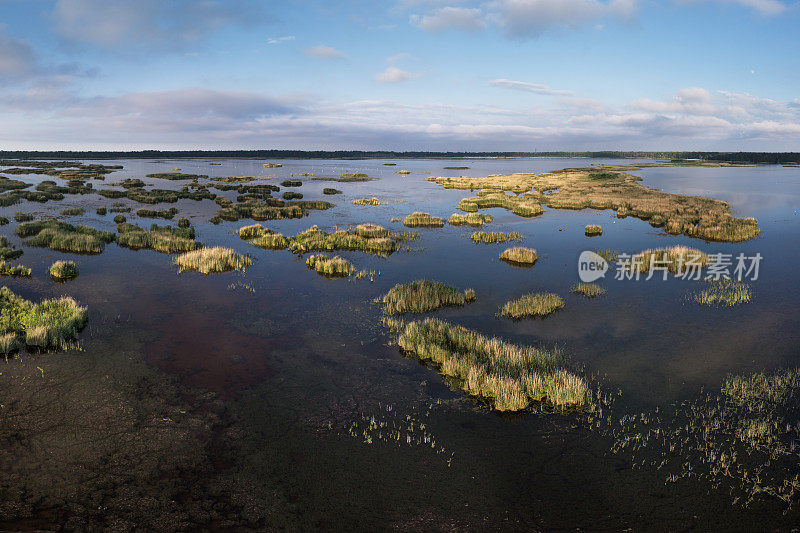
739 157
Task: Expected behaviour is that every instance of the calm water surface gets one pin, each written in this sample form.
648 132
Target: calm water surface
268 384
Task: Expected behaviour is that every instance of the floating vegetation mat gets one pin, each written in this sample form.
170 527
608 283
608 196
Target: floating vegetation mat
49 324
421 296
509 376
743 439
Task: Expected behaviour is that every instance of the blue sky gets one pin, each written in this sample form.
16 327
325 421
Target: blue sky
400 74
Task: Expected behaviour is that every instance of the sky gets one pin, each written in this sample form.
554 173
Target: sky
438 75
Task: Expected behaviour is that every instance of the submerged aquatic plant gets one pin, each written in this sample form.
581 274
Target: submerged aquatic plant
330 266
534 304
520 256
62 270
421 296
212 260
511 377
49 324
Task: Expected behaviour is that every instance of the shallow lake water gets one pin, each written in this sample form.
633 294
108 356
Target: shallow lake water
275 398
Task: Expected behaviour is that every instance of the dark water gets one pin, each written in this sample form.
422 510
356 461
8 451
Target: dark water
248 399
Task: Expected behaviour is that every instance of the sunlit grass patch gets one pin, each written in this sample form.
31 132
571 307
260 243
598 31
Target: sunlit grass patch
212 260
316 240
534 304
676 259
492 237
724 292
15 271
331 191
370 231
510 376
520 256
73 211
271 241
470 219
64 237
421 296
233 179
7 250
330 266
101 210
610 256
49 324
423 220
369 201
252 231
163 239
19 216
63 270
590 290
524 206
153 213
292 195
119 219
593 230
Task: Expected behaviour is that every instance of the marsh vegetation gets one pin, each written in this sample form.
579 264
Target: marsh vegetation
593 230
63 237
15 271
212 260
472 219
422 296
368 201
493 237
519 255
163 239
590 290
538 304
724 292
63 270
423 220
334 267
49 324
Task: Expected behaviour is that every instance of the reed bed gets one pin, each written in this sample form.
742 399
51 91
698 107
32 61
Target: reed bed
520 256
471 219
524 206
423 220
492 237
64 237
167 214
163 239
676 259
252 231
610 256
590 290
15 271
63 270
369 201
509 376
101 210
46 325
184 223
316 240
371 231
7 250
331 191
422 296
119 219
724 292
593 230
19 216
73 211
271 241
334 267
212 260
534 304
292 195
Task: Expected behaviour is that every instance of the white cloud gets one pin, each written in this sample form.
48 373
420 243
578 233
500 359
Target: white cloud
445 18
325 52
531 18
393 75
765 7
535 88
279 40
396 58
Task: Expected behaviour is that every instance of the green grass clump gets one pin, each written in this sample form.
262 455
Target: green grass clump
316 240
15 271
371 231
101 211
590 290
152 213
330 191
421 296
233 179
610 256
212 260
176 176
184 223
510 376
63 270
368 201
520 255
534 304
335 267
4 221
423 220
63 237
271 241
347 177
492 237
19 216
119 219
291 195
252 231
49 324
163 239
7 250
724 292
470 219
291 183
593 230
73 211
677 259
